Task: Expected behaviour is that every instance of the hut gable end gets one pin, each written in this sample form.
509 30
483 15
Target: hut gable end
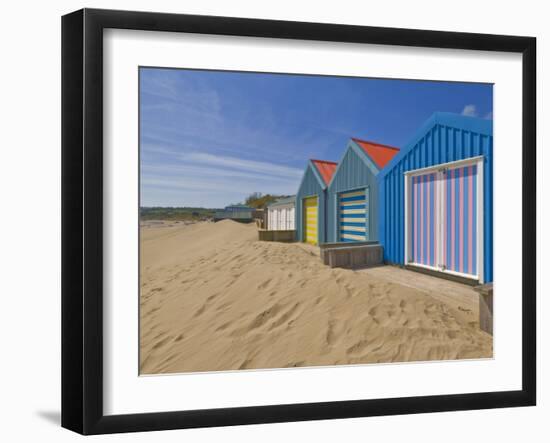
355 171
312 185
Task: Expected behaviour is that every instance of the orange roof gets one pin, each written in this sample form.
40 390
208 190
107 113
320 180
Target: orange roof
325 168
380 154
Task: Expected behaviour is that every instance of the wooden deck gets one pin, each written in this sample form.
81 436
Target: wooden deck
351 255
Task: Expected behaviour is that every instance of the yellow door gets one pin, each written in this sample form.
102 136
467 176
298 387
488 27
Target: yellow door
310 220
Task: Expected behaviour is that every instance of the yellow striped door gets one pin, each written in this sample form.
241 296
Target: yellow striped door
310 220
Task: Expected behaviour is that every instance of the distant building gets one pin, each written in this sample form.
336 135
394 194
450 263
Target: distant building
240 213
281 214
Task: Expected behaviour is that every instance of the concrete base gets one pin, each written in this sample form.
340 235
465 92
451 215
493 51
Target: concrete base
281 236
486 307
356 255
439 274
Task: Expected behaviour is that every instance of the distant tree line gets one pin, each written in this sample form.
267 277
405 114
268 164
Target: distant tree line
174 213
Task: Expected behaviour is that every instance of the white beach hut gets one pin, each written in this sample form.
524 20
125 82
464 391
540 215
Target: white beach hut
281 214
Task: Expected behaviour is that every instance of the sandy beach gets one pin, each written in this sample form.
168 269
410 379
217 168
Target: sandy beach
214 298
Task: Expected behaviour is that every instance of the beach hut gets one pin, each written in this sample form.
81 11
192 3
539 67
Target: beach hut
281 214
311 201
436 199
352 195
240 213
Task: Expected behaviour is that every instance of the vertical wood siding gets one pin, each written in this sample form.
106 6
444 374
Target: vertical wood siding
352 175
310 187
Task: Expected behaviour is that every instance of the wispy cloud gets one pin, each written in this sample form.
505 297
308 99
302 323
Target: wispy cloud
489 116
168 91
470 111
271 169
195 178
191 188
182 157
189 171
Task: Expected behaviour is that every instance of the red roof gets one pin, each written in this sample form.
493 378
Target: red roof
380 154
325 168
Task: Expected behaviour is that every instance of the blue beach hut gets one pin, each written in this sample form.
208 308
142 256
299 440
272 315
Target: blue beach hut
311 202
352 195
436 199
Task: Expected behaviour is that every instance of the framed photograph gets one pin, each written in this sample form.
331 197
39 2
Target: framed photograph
269 221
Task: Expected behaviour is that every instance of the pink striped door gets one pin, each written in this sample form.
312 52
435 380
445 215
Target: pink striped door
425 219
443 224
460 224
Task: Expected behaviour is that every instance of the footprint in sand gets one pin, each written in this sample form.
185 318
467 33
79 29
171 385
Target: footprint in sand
333 334
223 327
358 347
153 310
264 284
258 321
296 364
223 306
264 317
161 343
452 334
284 317
245 364
212 297
201 310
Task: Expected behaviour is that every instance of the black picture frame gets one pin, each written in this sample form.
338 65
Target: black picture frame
82 218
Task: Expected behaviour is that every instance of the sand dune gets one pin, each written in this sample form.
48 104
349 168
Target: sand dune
214 298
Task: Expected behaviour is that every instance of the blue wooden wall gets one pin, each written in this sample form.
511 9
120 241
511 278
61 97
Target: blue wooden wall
443 138
309 187
355 171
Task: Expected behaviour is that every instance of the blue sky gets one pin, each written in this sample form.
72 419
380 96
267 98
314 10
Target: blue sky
210 138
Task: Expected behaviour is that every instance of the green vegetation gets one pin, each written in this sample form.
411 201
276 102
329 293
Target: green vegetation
259 201
170 213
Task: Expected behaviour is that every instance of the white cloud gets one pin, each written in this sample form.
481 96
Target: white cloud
213 192
241 164
469 111
203 171
201 179
489 116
